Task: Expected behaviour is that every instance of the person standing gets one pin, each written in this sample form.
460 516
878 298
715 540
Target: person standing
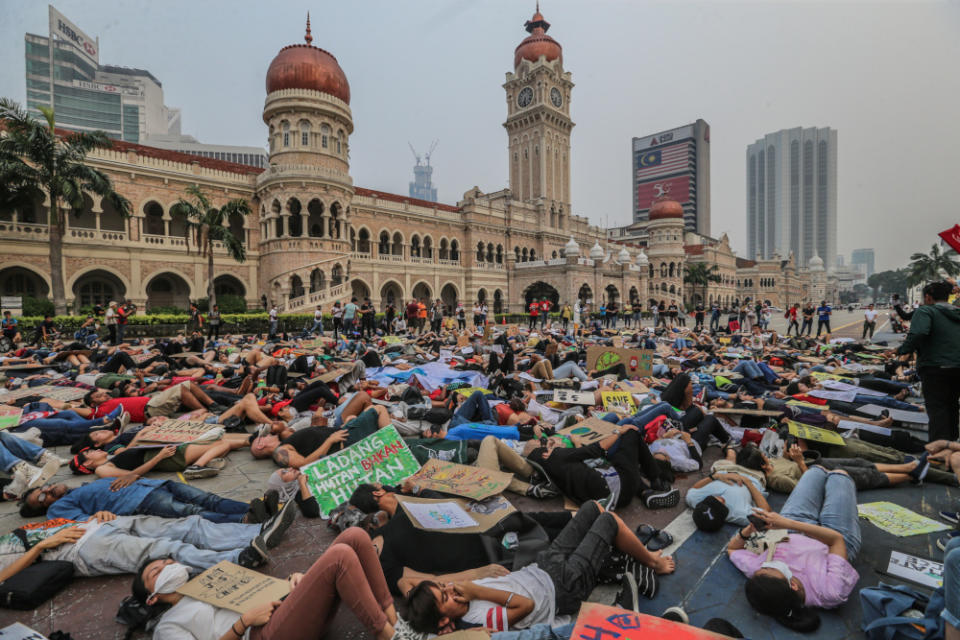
422 315
637 313
935 337
461 316
123 313
698 314
673 311
412 315
317 321
791 316
869 322
545 307
349 317
390 313
366 319
577 314
436 316
273 319
662 313
484 310
110 319
213 323
566 315
534 310
807 327
714 317
337 314
823 317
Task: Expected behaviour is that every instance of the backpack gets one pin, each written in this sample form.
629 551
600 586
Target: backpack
277 377
884 608
35 584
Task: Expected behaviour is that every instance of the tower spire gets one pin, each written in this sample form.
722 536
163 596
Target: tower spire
308 37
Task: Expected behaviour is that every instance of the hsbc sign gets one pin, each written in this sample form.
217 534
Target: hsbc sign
65 30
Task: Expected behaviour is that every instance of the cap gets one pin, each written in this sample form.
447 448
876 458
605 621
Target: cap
710 514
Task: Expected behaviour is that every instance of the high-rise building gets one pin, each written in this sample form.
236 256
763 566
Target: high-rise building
792 195
675 162
863 257
422 186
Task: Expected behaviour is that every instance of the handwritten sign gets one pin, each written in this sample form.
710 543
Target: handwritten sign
475 483
806 432
619 402
900 415
747 412
919 570
590 430
25 392
568 396
632 386
9 416
484 513
600 622
897 520
468 391
638 362
176 431
382 457
440 516
230 586
65 394
19 631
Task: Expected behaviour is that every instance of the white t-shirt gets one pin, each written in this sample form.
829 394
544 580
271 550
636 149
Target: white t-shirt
273 313
531 582
870 315
191 618
317 315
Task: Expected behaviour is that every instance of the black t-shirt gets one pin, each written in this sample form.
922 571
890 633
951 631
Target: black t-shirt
431 551
575 479
130 459
307 440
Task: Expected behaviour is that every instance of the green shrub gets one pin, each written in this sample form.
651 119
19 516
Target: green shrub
37 306
154 311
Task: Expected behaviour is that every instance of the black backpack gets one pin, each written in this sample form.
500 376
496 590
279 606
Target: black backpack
277 377
35 584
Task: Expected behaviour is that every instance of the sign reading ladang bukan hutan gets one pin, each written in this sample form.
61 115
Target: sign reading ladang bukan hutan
381 457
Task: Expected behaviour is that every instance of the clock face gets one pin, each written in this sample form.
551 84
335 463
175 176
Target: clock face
525 97
556 97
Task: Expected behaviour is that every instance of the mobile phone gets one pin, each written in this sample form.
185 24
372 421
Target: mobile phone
758 523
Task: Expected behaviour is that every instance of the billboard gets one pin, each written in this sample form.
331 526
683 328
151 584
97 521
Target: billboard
673 135
678 187
65 30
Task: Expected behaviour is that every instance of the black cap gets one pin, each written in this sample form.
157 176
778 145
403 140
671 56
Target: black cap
710 514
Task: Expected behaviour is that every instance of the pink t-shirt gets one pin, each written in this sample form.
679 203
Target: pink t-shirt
827 579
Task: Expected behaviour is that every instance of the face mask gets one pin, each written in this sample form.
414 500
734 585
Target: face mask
171 577
779 566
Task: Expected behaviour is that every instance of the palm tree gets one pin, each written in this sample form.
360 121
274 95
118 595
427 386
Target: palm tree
206 225
928 267
702 274
36 161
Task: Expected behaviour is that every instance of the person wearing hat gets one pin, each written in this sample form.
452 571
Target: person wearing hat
110 319
725 497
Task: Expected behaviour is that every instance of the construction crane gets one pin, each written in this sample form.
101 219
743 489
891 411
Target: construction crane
427 155
415 154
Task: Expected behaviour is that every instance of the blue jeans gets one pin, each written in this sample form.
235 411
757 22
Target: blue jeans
828 499
951 583
570 369
317 327
660 370
14 450
885 401
474 409
642 417
273 327
177 500
749 369
536 632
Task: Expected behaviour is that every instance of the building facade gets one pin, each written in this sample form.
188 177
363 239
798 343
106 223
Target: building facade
314 237
792 195
676 162
863 260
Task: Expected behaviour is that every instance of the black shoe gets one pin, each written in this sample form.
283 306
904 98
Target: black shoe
257 513
676 614
628 595
661 499
274 529
660 484
271 500
216 408
920 471
542 491
251 558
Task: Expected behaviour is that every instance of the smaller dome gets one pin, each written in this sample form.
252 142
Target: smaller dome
642 259
571 249
665 208
303 66
624 255
596 252
538 43
816 263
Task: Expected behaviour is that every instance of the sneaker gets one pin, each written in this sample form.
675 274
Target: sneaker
257 513
251 558
273 530
399 410
944 540
116 413
660 499
920 471
217 463
676 614
123 421
24 475
32 434
646 579
194 471
216 407
627 597
46 472
271 500
49 458
950 516
542 491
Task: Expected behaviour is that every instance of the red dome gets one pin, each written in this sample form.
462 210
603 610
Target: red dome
538 43
303 66
665 209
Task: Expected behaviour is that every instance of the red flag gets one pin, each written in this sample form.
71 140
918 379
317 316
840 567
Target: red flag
952 237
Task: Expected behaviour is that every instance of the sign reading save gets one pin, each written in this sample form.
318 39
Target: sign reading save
381 457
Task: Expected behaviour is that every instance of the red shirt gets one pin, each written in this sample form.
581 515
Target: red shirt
503 413
545 306
534 309
136 406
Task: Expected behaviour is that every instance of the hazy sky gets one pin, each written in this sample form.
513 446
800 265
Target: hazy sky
883 74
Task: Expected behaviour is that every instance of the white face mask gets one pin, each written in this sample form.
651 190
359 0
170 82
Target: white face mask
171 577
779 566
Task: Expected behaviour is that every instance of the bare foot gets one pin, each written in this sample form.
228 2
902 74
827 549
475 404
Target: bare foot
886 422
663 564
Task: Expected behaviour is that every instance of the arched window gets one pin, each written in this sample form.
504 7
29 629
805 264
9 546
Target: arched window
324 136
336 275
363 241
340 141
415 246
516 252
427 248
554 255
286 133
524 255
304 133
296 287
397 244
454 250
479 252
316 281
533 255
153 221
499 254
384 246
490 252
444 250
672 267
663 269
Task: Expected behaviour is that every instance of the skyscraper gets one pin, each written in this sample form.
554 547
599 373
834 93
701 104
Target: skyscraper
792 195
676 162
863 257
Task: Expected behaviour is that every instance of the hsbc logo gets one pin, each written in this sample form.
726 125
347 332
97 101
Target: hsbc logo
78 39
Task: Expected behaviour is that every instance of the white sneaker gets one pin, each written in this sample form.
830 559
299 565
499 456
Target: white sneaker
24 475
30 435
50 458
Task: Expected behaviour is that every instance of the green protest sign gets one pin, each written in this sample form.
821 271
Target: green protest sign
382 457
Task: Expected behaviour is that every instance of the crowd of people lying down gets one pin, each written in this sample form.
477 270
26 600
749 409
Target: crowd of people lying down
720 408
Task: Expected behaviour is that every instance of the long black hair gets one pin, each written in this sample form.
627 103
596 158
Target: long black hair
676 390
776 598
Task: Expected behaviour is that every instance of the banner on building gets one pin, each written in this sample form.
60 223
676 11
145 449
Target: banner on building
65 30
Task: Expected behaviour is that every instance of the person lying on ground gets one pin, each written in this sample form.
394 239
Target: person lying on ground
728 496
182 397
28 464
347 571
299 448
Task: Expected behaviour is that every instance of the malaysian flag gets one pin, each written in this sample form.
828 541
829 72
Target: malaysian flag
662 161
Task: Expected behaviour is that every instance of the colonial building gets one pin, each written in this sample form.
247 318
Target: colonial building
315 237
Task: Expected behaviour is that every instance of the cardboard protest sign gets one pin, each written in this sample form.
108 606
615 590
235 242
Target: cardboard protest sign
330 376
468 391
23 392
632 386
9 416
747 412
600 622
919 570
475 483
806 432
382 457
23 367
897 520
230 586
468 634
568 396
463 340
439 515
20 631
65 394
590 430
900 415
176 431
393 339
843 396
619 402
638 362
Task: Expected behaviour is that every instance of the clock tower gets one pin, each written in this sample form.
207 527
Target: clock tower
538 122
